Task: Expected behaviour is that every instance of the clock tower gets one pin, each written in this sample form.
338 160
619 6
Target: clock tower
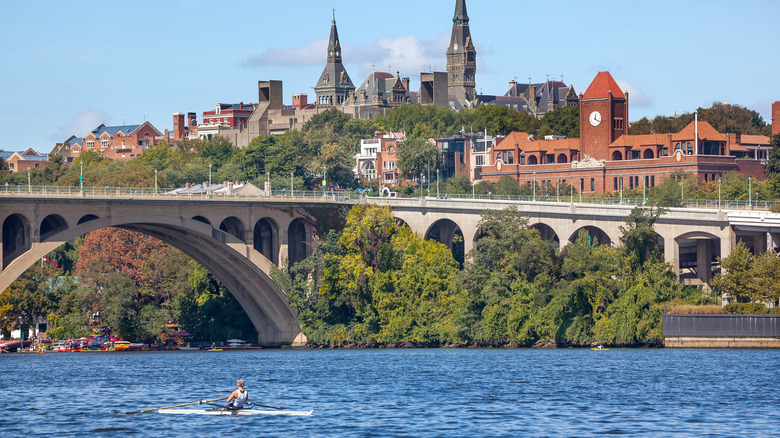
603 116
461 57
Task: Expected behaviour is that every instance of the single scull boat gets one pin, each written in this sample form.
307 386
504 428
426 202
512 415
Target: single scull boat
238 412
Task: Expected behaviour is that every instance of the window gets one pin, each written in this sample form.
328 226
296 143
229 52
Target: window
104 143
652 180
37 165
690 148
615 183
522 159
480 160
617 124
90 144
511 158
665 152
631 183
11 166
636 154
593 184
582 185
549 158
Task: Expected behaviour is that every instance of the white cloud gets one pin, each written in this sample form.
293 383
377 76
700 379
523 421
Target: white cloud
636 97
82 125
407 54
308 54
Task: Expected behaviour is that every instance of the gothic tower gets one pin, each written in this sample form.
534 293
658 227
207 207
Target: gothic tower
461 57
334 85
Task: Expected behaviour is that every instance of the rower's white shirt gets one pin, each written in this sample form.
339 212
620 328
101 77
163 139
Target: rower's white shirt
241 399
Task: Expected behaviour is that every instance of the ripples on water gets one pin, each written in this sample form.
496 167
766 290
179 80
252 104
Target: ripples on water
482 393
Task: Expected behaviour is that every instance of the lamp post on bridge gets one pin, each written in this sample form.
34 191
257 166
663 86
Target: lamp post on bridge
292 186
718 193
155 181
534 186
81 177
750 192
209 189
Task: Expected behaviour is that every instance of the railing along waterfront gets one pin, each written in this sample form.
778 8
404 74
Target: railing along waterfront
342 196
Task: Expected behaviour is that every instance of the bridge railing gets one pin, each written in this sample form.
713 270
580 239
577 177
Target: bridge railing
339 196
167 193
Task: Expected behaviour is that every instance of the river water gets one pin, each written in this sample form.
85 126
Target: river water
437 392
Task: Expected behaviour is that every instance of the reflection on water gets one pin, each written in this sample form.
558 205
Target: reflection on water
398 392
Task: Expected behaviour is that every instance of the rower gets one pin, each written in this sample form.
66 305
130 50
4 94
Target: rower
238 397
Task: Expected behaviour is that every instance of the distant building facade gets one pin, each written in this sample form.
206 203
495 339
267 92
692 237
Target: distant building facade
24 161
115 142
606 159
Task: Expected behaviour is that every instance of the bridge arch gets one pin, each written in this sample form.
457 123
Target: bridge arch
221 253
596 235
298 238
201 219
233 226
697 256
52 224
546 232
449 233
16 237
265 240
87 218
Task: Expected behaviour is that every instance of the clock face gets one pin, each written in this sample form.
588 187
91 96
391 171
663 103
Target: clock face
595 118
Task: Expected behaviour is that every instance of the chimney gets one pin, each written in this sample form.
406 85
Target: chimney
405 81
241 105
178 126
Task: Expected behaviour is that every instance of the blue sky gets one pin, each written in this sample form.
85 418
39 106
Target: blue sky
69 66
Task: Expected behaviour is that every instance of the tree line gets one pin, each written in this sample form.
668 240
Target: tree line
376 283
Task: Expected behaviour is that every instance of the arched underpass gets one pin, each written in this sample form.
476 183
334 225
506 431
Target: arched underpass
448 233
596 235
243 271
698 257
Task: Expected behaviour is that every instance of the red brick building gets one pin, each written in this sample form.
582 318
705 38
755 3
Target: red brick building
22 161
119 142
605 158
776 118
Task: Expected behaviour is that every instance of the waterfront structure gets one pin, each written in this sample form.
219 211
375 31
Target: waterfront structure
607 159
238 238
461 58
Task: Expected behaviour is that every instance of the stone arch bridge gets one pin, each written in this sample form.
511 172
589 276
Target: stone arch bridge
239 239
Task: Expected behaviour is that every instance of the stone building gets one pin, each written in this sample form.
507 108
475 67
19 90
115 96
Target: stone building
461 58
334 86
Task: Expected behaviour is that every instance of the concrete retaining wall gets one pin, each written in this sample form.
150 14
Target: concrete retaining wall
721 331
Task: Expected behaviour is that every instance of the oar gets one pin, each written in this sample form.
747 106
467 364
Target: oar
266 406
176 406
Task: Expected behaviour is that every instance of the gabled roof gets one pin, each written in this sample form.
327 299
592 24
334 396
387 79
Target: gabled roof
526 143
706 132
640 140
758 140
602 84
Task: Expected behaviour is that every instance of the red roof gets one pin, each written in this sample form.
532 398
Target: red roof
602 84
706 132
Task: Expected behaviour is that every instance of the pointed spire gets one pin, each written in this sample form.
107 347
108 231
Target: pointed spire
461 17
334 46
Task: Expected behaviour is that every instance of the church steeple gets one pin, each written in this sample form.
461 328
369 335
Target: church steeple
461 57
334 85
334 46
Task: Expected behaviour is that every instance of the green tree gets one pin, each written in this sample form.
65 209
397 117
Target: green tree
415 156
639 237
738 279
563 121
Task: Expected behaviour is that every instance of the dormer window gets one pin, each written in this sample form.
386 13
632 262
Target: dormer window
90 144
104 143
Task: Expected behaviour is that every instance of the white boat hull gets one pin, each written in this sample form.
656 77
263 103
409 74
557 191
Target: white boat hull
240 412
